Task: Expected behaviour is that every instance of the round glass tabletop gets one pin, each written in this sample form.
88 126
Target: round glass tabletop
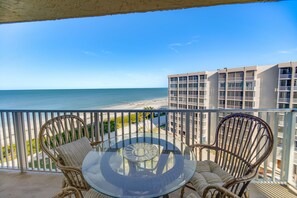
139 165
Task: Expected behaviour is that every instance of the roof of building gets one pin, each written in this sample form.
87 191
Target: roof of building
38 10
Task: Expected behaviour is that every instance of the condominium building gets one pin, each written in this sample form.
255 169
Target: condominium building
247 87
271 86
190 91
287 85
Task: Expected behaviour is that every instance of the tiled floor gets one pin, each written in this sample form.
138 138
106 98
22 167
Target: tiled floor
41 185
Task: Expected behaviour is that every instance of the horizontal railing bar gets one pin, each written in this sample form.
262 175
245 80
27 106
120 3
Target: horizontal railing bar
155 110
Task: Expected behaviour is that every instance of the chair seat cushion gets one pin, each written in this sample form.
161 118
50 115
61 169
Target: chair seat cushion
74 152
208 173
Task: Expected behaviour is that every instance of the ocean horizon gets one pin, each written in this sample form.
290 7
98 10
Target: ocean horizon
76 99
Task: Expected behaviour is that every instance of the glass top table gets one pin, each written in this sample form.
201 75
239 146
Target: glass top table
139 165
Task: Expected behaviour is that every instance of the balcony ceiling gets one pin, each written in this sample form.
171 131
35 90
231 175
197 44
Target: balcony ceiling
39 10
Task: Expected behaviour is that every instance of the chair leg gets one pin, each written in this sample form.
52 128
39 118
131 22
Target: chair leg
182 192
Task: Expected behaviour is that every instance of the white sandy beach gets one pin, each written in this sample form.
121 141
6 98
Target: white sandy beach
155 103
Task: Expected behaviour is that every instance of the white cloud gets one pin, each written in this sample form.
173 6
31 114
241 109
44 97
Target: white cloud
174 46
289 51
92 53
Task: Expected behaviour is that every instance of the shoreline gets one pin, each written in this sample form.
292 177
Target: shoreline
156 103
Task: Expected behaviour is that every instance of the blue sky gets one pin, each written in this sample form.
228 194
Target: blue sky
140 50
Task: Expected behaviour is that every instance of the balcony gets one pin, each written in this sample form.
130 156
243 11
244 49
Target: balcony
19 129
234 97
222 79
249 97
193 88
222 88
249 88
285 75
248 78
286 100
193 81
235 88
285 88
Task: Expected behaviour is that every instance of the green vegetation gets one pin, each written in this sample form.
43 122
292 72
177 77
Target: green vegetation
11 150
41 162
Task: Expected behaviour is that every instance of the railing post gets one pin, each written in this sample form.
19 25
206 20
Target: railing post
97 135
188 128
20 144
290 147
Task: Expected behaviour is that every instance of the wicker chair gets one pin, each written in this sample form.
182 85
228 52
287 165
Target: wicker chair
242 143
59 132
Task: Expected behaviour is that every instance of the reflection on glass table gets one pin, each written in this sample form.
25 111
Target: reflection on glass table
139 165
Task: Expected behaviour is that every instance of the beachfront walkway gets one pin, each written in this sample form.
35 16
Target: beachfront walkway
36 185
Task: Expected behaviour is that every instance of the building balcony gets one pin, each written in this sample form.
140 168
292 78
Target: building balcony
235 88
193 88
294 100
193 81
222 79
248 78
202 80
222 88
249 97
234 97
23 134
285 75
250 88
235 79
285 88
284 100
221 105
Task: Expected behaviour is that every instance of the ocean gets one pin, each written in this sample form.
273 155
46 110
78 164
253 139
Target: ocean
76 99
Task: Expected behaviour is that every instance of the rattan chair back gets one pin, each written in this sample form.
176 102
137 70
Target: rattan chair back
243 142
59 131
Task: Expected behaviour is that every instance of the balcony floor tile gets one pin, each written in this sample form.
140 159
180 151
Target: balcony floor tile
35 185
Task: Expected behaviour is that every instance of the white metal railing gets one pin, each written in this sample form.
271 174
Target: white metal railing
285 75
284 99
284 87
250 78
20 149
235 88
249 97
249 88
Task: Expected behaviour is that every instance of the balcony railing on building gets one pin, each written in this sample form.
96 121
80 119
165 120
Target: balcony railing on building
284 99
249 97
235 88
250 88
250 78
20 145
285 88
234 97
285 75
